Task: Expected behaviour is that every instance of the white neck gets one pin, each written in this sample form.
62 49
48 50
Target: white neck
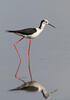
42 26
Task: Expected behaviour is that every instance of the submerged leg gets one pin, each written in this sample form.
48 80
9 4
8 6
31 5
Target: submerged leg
16 75
29 60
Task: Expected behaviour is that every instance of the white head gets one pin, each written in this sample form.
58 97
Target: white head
44 22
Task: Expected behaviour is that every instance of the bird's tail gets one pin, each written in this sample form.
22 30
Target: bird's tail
15 89
15 32
18 88
11 31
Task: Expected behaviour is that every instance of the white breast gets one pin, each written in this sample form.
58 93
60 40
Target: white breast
36 33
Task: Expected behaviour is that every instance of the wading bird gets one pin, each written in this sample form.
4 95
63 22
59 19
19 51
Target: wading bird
29 33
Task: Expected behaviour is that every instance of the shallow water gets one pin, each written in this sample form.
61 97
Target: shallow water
50 52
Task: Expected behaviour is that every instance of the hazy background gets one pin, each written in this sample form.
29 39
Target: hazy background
50 52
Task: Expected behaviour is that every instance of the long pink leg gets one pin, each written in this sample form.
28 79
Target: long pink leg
29 60
16 75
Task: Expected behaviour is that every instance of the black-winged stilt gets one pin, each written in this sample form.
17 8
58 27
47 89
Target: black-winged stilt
30 33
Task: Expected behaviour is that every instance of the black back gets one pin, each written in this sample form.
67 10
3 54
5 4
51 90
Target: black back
27 31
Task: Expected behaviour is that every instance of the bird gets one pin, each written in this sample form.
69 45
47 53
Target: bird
29 33
32 86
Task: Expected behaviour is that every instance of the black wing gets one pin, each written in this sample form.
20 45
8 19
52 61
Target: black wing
27 31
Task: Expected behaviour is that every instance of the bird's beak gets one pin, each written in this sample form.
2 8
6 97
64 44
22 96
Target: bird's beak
51 25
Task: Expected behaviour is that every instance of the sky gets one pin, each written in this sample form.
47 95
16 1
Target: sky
50 52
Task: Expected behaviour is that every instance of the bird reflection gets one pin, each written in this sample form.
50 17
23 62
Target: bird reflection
32 86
